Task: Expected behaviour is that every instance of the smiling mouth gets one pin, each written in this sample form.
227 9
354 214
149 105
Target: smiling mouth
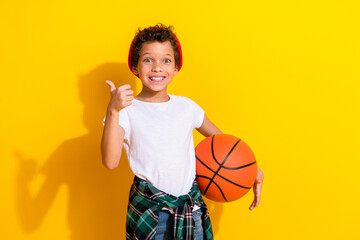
157 79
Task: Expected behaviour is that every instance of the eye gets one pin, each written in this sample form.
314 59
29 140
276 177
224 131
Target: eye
147 60
167 61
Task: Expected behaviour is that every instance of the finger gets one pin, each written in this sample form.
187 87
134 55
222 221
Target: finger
128 92
126 95
111 85
257 199
257 203
124 87
257 194
128 98
258 191
252 206
127 103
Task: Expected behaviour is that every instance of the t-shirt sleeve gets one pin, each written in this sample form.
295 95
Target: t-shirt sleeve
123 122
199 114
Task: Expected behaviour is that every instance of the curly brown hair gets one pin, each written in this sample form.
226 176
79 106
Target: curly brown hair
160 33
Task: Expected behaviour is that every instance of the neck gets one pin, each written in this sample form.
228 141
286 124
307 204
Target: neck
153 96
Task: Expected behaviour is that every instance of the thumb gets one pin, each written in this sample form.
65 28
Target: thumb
111 85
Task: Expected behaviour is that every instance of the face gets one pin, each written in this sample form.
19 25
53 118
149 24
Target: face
156 66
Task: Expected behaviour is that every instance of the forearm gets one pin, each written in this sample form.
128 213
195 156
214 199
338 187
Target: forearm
112 140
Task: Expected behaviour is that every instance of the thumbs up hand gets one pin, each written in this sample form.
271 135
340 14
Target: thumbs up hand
121 97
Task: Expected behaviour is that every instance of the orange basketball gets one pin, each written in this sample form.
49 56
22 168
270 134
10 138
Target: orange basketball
225 167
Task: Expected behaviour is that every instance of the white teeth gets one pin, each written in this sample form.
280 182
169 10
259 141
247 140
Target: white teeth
157 78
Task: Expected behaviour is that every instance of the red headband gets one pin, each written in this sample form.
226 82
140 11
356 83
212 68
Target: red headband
131 50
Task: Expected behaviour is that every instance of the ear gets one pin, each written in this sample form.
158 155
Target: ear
134 70
176 71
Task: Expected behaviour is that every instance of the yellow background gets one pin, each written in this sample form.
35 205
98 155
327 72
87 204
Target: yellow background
281 75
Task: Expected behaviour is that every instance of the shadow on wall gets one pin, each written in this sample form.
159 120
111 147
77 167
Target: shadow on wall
97 197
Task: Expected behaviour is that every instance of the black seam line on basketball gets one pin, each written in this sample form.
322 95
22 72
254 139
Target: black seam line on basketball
236 168
216 173
215 184
212 149
220 175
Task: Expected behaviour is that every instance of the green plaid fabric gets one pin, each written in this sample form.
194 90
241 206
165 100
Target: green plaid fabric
146 201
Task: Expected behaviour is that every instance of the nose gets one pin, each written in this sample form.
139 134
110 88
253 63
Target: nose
156 67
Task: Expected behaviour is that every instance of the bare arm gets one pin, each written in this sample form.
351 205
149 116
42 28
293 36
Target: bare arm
112 140
113 134
208 128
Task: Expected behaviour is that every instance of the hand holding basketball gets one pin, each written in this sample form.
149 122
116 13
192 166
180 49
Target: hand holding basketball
257 188
226 167
121 97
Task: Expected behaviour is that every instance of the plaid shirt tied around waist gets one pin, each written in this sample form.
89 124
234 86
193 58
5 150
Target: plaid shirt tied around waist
145 202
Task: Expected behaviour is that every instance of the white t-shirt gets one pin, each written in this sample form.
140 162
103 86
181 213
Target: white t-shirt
159 141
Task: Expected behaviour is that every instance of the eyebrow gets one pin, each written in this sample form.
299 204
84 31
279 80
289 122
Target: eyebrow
150 54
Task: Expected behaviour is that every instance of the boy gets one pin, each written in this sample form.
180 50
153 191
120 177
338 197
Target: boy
155 129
